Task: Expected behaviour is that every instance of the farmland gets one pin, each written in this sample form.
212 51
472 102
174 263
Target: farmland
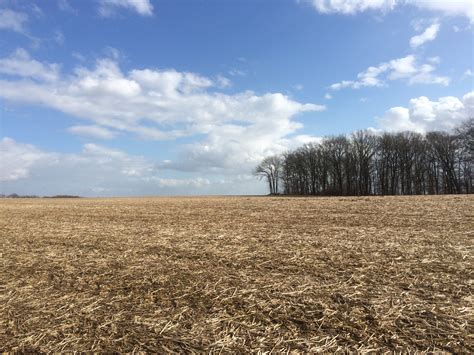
237 274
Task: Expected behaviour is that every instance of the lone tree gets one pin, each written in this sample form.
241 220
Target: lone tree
270 169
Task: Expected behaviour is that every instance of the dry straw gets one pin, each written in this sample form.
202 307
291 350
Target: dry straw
229 275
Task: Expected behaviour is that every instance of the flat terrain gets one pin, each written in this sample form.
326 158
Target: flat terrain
237 274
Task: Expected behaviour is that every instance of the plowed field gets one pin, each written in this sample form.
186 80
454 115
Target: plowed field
237 274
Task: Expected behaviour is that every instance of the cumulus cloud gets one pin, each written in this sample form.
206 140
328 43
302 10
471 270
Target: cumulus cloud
350 7
236 148
142 7
429 34
13 20
232 148
100 171
16 159
21 64
94 164
167 182
163 104
405 68
450 8
467 74
92 131
237 72
64 5
424 115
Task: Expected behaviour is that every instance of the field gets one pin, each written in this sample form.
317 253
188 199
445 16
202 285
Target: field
237 274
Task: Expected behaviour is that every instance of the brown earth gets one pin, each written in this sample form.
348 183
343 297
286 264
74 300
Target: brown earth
237 274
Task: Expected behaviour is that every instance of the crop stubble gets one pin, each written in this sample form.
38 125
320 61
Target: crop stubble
237 274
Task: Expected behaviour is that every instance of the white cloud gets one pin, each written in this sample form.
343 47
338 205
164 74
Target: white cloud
328 96
302 139
142 7
165 104
16 159
91 149
59 37
231 148
397 119
423 115
36 10
402 67
237 72
113 53
98 170
64 5
93 131
42 172
450 8
13 20
429 34
425 75
78 56
350 7
223 82
467 74
166 182
21 161
367 78
21 64
406 68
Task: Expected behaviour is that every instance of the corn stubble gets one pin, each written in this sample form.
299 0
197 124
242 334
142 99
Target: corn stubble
237 274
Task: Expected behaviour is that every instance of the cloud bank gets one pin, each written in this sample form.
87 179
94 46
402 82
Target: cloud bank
406 68
423 115
238 129
351 7
101 171
13 20
142 7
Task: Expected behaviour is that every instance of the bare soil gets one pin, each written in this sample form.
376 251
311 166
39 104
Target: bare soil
237 274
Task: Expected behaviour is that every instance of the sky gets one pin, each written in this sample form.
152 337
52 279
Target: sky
185 97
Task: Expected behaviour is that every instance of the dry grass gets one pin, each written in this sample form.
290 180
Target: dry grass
237 274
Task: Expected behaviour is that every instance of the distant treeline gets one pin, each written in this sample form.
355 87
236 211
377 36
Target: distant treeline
366 163
35 196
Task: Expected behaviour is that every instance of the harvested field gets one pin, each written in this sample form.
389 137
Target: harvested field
237 274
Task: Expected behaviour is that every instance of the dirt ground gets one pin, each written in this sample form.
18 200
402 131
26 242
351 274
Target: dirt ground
237 274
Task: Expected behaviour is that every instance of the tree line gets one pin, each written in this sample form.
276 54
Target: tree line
366 163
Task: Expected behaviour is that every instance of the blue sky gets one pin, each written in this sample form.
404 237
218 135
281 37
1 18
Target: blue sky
139 97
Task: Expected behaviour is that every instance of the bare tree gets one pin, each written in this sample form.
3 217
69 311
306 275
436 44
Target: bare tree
363 147
465 136
465 133
336 150
363 164
444 147
270 169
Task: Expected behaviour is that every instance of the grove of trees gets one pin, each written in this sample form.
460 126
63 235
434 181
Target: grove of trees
366 163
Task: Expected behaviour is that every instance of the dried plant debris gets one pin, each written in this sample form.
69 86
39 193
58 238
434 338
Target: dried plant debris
237 274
